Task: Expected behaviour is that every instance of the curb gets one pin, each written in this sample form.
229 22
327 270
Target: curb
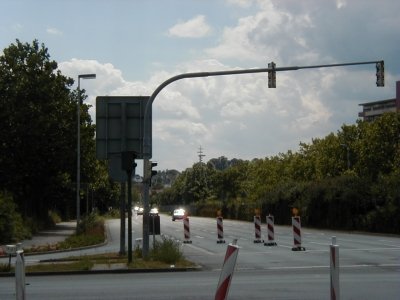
116 271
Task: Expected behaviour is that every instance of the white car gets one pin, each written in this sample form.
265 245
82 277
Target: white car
153 211
178 214
138 210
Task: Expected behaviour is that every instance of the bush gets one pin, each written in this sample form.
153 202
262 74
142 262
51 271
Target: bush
90 232
12 227
168 251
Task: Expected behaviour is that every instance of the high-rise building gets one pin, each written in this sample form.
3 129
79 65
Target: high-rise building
372 110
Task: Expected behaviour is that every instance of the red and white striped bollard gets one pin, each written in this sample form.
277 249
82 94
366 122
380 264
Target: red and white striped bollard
228 267
220 231
186 230
297 234
271 231
257 229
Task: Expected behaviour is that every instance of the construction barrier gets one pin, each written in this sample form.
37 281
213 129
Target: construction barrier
257 229
271 231
220 231
186 231
227 271
334 258
297 234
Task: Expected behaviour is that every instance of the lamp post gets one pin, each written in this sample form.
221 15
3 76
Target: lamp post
78 148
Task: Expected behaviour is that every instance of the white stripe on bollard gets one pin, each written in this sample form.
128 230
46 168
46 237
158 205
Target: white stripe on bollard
227 271
334 259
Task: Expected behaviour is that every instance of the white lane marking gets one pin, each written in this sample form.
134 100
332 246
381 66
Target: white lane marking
199 249
199 237
322 244
325 267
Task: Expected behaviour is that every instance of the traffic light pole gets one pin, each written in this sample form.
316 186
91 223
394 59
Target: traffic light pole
147 143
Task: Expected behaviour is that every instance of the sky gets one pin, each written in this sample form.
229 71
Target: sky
133 46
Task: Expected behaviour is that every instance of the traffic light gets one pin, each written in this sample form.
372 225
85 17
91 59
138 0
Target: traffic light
271 75
380 73
152 172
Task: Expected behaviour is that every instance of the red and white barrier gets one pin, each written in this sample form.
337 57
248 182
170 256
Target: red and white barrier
271 231
186 231
257 229
334 255
220 231
227 271
297 234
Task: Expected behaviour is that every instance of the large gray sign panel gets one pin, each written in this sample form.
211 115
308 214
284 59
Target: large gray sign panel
119 125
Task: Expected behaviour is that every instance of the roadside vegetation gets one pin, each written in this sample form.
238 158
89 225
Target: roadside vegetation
38 170
165 255
349 181
91 232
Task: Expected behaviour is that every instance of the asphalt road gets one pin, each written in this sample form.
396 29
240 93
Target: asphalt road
369 267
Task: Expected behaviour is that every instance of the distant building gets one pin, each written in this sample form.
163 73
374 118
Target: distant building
372 110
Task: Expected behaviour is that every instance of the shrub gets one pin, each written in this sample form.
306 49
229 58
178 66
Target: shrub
168 251
90 232
12 227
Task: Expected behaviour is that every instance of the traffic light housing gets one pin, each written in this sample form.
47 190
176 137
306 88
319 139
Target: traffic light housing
380 73
271 75
152 172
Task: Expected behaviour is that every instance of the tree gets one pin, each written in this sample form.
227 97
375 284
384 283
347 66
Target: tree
38 133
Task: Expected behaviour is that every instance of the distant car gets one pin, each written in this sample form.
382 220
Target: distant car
138 210
153 211
178 214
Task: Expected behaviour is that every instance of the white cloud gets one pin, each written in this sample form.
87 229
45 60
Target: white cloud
193 28
340 3
54 31
241 3
238 116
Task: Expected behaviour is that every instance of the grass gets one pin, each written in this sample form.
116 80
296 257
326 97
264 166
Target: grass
80 265
165 254
86 263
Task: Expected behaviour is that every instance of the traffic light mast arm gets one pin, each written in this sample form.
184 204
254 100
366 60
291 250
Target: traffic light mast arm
146 139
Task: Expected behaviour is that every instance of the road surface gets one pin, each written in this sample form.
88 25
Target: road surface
369 267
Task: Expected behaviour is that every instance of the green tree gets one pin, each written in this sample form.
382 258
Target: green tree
38 134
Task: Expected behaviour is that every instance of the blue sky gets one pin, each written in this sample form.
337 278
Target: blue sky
133 46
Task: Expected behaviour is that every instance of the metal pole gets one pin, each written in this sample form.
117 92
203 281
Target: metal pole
78 147
122 217
145 234
129 178
78 150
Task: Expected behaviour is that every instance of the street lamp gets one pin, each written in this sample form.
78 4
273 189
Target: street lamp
78 148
